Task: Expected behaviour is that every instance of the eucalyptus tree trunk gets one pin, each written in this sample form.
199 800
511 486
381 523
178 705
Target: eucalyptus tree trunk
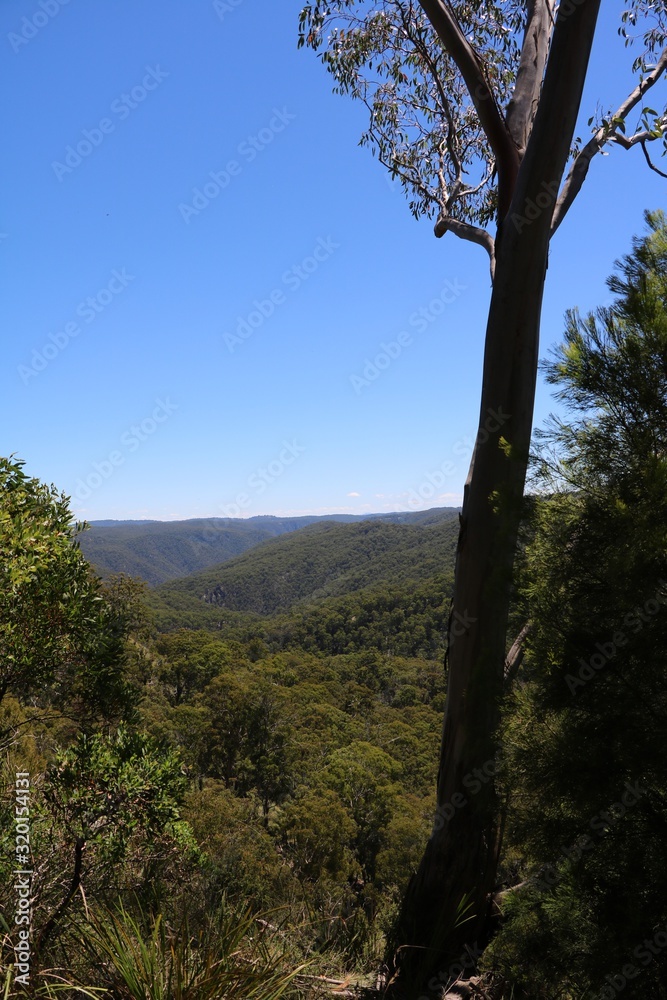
447 909
456 878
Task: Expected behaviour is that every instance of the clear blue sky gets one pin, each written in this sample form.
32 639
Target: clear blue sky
148 391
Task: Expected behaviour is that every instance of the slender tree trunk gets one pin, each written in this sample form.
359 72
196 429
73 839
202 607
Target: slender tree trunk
458 870
447 907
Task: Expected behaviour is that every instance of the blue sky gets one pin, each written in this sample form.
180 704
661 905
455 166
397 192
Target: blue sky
168 356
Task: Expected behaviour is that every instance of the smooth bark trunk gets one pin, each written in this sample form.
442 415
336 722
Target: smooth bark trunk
458 869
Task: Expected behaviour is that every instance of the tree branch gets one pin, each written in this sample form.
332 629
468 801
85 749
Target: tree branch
579 169
639 137
514 658
523 105
471 67
550 139
51 923
409 178
418 42
467 232
650 161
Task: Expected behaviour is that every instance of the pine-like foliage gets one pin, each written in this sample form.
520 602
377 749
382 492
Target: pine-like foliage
585 733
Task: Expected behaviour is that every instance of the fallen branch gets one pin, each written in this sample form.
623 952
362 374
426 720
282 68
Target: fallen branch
339 987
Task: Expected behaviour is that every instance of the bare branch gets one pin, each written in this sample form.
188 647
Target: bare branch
521 109
473 234
471 68
650 161
52 922
514 658
579 169
478 187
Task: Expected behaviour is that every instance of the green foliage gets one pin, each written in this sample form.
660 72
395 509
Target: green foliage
157 551
397 621
187 665
585 735
104 820
318 833
283 761
61 641
365 777
324 560
304 763
240 855
426 123
105 790
408 621
142 958
423 126
403 840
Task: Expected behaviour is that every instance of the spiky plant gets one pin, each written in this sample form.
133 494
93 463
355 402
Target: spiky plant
232 957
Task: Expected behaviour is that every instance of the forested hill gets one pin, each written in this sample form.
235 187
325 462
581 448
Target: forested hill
157 551
321 561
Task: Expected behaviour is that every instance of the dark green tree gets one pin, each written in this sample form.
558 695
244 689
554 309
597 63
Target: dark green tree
586 733
62 637
188 662
266 762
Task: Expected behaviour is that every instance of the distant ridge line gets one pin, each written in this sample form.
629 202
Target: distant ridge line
159 551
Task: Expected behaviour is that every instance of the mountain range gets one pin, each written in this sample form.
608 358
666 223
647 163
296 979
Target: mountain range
160 551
